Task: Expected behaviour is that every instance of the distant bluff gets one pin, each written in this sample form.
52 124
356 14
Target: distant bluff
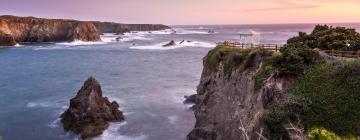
15 29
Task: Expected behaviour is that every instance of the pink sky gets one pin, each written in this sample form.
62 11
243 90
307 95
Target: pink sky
177 12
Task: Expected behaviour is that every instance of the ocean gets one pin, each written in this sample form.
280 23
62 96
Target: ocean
147 80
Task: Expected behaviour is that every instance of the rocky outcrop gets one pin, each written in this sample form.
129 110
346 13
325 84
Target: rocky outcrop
15 29
89 112
228 107
29 29
171 43
119 28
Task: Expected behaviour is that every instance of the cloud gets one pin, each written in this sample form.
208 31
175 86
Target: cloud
287 5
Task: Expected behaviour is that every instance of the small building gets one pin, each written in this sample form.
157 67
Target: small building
250 38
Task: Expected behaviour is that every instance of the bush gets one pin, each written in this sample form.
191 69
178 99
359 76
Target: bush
326 38
334 94
291 108
294 60
323 134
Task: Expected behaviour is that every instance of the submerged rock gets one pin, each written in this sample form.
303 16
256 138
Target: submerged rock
190 99
90 112
171 43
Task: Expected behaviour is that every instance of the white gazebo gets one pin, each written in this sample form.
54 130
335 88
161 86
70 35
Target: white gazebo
251 37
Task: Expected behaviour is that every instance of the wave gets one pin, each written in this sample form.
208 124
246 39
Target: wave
80 43
112 133
179 44
160 32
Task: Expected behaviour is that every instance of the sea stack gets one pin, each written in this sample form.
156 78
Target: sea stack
90 112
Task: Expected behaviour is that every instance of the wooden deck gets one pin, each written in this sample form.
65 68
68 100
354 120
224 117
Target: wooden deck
276 47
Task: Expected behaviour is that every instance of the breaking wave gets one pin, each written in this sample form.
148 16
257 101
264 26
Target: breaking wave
179 44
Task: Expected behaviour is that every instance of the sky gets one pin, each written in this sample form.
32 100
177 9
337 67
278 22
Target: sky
190 12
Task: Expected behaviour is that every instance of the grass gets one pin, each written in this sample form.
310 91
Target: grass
323 134
231 58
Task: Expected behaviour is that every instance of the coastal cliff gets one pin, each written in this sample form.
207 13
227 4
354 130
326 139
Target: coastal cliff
111 27
29 29
226 97
15 29
297 93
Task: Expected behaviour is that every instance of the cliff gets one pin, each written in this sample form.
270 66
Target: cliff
226 98
29 29
111 27
15 30
298 93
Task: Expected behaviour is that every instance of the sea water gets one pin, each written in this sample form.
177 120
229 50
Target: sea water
147 80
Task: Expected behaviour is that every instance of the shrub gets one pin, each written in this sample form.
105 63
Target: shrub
334 94
294 60
323 134
326 38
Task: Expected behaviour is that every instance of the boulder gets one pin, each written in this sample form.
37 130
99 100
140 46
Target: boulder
171 43
89 112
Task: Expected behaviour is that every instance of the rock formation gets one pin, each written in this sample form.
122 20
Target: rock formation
29 29
171 43
90 112
226 103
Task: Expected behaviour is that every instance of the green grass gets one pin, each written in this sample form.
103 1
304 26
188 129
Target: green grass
323 134
334 96
264 73
231 58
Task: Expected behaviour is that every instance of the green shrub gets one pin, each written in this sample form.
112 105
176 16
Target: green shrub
264 73
290 108
323 134
294 60
326 38
334 95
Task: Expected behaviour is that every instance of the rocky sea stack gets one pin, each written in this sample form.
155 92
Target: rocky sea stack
90 112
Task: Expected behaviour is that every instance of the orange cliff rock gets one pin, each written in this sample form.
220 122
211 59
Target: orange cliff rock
29 29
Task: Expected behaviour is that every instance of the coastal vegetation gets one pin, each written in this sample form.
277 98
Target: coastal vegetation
323 94
327 37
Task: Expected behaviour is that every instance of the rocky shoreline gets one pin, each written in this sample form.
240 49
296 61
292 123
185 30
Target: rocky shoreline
15 29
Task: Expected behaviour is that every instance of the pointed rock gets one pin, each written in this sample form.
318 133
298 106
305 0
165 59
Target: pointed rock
90 112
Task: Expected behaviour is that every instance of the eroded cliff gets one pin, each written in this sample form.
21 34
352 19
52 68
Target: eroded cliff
15 29
259 94
29 29
228 106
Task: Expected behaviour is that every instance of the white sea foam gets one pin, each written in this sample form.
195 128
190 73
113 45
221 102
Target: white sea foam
40 104
112 133
173 119
185 31
80 43
160 32
179 44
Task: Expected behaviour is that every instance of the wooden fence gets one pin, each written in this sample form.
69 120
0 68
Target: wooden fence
276 47
272 47
351 54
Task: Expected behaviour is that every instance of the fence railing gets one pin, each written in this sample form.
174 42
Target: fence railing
276 47
273 47
351 54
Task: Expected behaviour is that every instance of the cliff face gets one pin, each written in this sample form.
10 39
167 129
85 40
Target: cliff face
29 29
228 107
111 27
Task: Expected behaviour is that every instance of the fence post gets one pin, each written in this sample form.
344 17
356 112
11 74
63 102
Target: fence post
332 52
276 48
